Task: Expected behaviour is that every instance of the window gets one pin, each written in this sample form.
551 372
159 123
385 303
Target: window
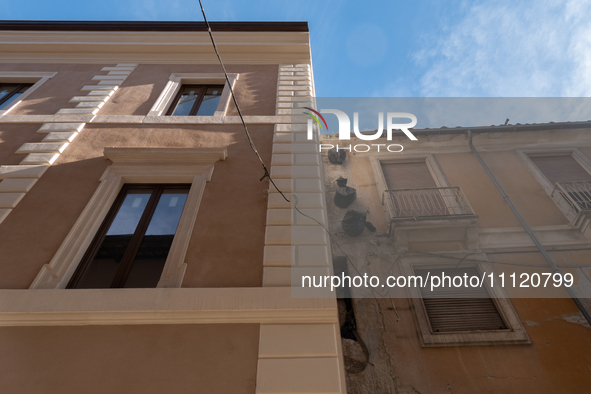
9 92
418 188
201 94
133 167
460 316
132 245
573 182
459 309
561 168
15 86
565 174
413 190
198 100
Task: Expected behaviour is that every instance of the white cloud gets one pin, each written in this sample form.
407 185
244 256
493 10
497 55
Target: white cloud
507 48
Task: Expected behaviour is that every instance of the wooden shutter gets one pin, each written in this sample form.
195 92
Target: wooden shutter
407 175
561 169
447 312
423 200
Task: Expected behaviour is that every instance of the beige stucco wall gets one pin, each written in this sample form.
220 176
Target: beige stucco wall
12 137
56 92
184 358
464 170
555 362
255 89
226 248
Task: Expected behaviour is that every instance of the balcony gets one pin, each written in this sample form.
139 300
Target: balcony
574 200
437 201
433 216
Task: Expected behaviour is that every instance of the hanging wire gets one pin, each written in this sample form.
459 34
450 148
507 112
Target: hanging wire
252 145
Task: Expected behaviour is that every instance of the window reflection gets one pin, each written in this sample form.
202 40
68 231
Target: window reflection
138 234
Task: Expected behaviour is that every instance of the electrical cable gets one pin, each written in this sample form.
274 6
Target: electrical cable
252 145
268 175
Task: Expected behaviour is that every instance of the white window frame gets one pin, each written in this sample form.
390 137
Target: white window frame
136 165
36 78
176 81
515 334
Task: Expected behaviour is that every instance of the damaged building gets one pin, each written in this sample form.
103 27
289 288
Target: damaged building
435 207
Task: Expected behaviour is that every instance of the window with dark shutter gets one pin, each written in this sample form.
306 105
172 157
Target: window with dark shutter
562 168
413 190
457 309
573 179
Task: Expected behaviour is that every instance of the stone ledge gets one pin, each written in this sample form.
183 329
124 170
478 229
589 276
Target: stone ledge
100 87
40 158
42 147
295 172
302 200
90 104
19 171
279 256
161 306
77 111
10 200
17 185
89 98
63 136
295 341
4 214
49 127
299 375
295 235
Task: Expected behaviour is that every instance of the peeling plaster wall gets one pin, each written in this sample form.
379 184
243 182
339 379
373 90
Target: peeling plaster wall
557 360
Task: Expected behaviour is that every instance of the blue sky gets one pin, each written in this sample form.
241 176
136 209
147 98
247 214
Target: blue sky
451 48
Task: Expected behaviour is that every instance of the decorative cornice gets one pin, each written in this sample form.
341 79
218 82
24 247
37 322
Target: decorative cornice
161 306
237 47
165 155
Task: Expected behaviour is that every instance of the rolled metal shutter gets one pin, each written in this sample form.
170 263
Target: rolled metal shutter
452 309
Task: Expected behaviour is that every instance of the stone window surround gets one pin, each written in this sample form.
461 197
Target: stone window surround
175 82
136 165
36 78
514 336
575 153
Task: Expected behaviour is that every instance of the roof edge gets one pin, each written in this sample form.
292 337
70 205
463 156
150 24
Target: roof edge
30 25
493 128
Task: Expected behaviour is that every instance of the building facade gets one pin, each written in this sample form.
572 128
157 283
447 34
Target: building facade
139 250
436 209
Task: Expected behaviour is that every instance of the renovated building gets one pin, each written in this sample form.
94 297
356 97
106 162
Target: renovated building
142 250
435 208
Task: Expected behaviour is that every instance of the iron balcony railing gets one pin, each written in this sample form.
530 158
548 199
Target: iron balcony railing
572 198
437 201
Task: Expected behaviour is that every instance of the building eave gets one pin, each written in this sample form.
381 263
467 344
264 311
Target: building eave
154 42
